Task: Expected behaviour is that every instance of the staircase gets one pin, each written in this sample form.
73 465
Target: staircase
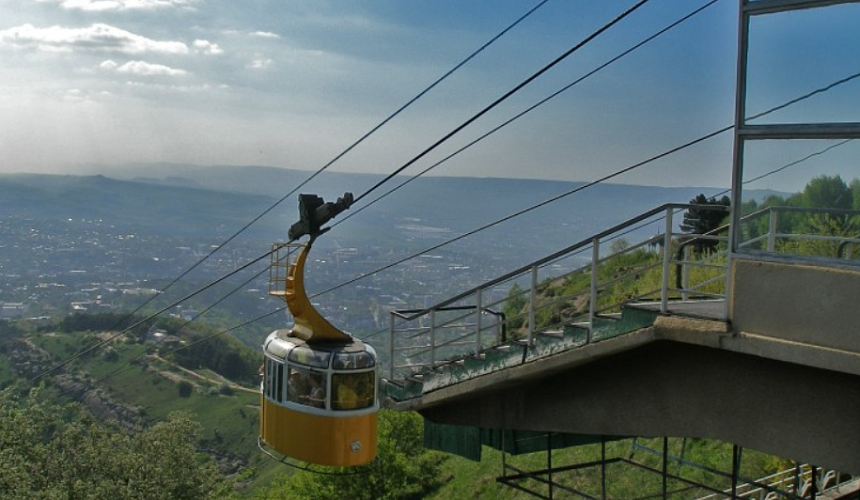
597 289
561 302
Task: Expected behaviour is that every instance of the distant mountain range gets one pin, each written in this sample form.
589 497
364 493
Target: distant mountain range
160 209
215 201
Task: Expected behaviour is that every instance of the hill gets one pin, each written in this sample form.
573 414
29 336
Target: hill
136 382
163 210
428 208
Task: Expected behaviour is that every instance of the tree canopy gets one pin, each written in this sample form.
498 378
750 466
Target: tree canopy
704 220
827 192
62 452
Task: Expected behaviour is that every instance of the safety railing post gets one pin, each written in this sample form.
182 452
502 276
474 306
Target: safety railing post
391 348
771 231
592 302
500 326
432 338
532 304
479 310
667 261
734 227
685 273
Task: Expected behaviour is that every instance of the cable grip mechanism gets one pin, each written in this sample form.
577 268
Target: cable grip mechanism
314 212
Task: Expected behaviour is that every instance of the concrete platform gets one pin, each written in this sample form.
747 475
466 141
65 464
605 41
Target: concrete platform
706 309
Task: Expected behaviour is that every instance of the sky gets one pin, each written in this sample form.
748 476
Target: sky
89 84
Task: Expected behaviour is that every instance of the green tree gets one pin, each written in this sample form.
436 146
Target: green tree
619 246
62 452
402 470
855 193
827 192
704 220
513 308
185 388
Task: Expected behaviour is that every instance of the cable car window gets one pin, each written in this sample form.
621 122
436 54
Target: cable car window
279 382
269 376
306 387
308 357
352 360
352 391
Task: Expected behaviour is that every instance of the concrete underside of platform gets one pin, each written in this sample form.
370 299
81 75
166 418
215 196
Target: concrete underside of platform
671 381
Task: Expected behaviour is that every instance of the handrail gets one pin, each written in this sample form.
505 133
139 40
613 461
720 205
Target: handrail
576 295
845 243
561 253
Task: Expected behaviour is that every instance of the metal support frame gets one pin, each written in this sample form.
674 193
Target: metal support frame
665 468
667 262
391 349
548 478
744 132
602 467
479 312
772 228
432 338
736 468
592 302
785 131
532 304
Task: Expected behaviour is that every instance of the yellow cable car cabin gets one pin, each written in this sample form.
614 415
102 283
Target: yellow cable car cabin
319 403
318 400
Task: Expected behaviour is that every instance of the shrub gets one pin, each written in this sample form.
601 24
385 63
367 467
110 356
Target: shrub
185 389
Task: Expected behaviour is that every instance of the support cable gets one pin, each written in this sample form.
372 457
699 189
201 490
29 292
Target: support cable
327 165
200 290
520 115
529 109
721 193
294 190
505 96
381 331
181 327
587 185
130 362
470 233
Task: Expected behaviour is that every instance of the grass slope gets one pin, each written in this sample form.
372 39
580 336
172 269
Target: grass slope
467 480
230 421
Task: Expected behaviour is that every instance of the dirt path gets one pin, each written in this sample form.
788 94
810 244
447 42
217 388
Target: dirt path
194 374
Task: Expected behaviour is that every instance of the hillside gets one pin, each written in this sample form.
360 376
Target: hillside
162 210
136 382
444 206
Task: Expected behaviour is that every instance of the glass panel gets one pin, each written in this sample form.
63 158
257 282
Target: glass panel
269 375
801 197
796 52
352 391
353 360
306 387
279 386
309 357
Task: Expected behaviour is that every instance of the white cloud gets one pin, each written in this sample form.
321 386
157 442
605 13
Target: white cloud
260 63
159 87
74 95
207 47
265 34
120 5
143 68
96 38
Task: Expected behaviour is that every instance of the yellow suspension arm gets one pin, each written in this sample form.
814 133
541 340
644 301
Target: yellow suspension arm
309 326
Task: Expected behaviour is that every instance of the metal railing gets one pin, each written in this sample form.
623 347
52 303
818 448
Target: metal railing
774 231
569 292
559 292
802 481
